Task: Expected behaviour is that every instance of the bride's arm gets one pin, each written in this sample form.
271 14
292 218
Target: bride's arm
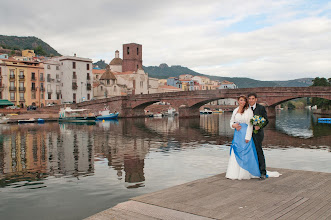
232 117
248 115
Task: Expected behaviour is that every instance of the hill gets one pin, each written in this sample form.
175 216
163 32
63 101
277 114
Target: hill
15 43
164 71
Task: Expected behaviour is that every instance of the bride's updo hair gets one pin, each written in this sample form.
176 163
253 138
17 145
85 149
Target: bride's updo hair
246 103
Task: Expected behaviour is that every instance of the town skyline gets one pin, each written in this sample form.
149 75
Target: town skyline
265 40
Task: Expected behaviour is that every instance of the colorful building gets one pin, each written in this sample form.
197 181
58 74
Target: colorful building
23 82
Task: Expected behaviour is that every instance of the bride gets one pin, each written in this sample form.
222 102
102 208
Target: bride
243 162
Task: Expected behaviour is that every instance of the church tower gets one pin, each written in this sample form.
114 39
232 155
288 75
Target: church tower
132 57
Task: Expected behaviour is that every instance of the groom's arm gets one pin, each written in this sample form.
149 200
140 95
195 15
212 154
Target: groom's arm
264 115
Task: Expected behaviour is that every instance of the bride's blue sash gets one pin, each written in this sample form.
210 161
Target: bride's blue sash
245 152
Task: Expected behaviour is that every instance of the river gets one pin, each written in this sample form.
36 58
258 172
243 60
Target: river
72 171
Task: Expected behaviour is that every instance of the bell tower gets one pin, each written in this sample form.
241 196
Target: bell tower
132 57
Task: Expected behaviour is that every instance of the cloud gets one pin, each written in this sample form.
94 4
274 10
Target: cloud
264 40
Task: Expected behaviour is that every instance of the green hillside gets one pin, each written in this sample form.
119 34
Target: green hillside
22 43
164 71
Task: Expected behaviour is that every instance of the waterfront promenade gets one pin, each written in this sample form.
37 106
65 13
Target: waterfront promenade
294 195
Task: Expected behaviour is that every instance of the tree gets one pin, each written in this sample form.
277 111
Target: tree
40 51
321 103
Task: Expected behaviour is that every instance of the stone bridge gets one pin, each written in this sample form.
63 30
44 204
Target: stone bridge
189 102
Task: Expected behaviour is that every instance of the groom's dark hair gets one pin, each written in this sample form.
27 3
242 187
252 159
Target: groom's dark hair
252 94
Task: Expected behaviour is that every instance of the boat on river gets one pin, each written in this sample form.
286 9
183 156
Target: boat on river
30 120
106 115
75 115
206 111
4 120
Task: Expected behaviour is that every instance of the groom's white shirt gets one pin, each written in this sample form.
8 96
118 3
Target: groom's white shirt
254 106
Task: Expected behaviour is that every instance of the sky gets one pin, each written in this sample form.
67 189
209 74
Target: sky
264 40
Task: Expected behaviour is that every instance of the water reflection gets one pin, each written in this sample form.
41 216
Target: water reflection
33 152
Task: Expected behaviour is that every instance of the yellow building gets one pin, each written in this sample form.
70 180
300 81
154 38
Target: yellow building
28 53
24 82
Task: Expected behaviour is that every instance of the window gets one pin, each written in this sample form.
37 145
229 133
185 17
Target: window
48 66
101 88
137 50
74 76
21 96
108 81
33 95
97 76
12 96
12 84
41 77
137 67
12 74
57 96
74 97
88 96
57 76
21 84
128 50
57 67
21 73
49 95
42 95
74 65
33 76
88 66
88 76
33 86
41 86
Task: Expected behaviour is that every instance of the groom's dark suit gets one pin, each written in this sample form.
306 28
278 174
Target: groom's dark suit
258 138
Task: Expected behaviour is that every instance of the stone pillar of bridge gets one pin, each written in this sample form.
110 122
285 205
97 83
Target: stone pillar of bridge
271 111
188 112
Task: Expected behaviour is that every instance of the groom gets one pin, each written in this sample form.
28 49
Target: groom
258 138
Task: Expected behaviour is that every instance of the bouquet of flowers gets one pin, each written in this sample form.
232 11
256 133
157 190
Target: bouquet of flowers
257 120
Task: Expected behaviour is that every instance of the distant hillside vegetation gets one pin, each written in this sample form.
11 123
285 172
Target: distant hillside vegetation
164 71
101 64
15 43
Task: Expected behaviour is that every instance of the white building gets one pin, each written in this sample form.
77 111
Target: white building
153 85
76 79
227 85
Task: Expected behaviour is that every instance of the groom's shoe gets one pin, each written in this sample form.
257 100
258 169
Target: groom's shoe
263 177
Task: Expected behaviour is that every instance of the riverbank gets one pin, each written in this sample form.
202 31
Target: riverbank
294 195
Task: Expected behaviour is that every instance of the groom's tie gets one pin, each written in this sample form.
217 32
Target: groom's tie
252 108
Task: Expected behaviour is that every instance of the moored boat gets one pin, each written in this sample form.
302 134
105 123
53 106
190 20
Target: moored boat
206 111
106 115
30 120
75 115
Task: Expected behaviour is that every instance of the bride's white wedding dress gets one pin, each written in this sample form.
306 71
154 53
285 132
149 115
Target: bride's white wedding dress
243 162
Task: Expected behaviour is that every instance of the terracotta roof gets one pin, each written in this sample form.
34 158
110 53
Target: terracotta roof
96 84
107 74
185 80
116 61
226 82
96 71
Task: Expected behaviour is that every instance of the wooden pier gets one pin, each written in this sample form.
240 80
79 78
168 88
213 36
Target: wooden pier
295 194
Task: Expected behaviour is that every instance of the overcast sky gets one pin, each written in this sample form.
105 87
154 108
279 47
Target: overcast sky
266 40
